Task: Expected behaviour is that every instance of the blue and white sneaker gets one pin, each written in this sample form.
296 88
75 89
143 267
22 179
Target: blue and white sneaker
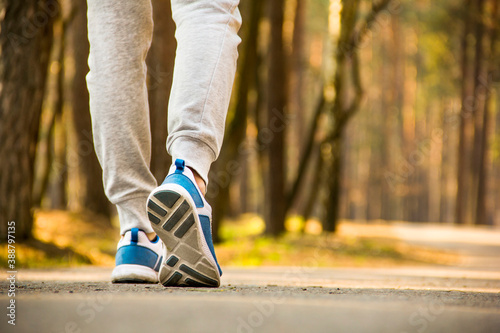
137 259
180 215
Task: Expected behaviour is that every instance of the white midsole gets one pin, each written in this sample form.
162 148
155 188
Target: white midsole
134 272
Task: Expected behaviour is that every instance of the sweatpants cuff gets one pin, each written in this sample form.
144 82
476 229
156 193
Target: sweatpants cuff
197 155
132 214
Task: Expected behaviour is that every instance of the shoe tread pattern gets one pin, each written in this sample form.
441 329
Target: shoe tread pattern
185 264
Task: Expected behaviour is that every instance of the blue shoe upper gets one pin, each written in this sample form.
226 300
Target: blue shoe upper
207 232
179 178
135 254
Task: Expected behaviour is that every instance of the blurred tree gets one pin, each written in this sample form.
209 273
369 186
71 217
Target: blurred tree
57 175
160 63
309 146
481 87
465 130
90 195
344 107
303 140
229 162
276 124
297 92
51 181
25 41
484 213
478 47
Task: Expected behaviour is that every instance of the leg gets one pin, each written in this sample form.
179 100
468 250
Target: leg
120 34
205 66
204 71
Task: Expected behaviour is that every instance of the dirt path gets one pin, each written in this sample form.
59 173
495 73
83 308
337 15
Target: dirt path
461 298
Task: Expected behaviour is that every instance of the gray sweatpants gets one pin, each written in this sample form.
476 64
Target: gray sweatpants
120 34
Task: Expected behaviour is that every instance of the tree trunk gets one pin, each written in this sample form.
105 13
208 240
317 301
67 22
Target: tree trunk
227 165
160 63
305 158
25 39
388 55
91 195
344 107
495 183
332 201
57 193
483 209
465 129
480 91
297 63
446 207
276 125
51 183
314 189
340 110
244 188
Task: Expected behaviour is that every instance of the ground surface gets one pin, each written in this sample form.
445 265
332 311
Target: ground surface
464 297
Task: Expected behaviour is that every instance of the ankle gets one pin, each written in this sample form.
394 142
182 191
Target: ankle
151 235
199 181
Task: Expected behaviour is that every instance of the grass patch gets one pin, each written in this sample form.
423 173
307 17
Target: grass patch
64 239
304 245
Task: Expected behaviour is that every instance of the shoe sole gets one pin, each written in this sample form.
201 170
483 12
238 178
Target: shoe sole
174 218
